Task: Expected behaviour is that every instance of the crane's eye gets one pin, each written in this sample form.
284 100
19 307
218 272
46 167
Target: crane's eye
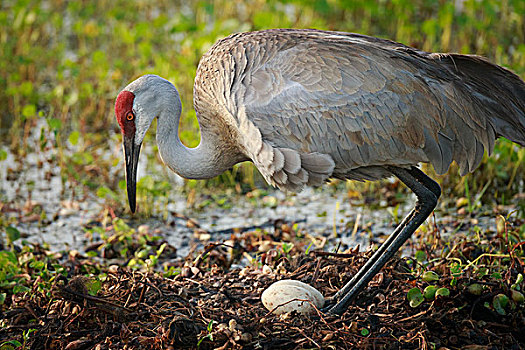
130 116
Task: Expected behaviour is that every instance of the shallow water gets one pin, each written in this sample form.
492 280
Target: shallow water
36 181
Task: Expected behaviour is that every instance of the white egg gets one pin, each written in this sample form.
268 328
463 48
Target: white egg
278 297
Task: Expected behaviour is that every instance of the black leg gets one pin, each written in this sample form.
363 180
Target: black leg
425 180
427 192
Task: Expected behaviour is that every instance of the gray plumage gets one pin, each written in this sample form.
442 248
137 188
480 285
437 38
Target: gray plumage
306 105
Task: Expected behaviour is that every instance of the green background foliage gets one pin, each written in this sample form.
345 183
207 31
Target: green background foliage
67 60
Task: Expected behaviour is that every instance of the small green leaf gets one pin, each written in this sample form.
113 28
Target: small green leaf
453 282
161 249
2 298
7 345
20 289
54 124
455 270
430 292
475 289
287 247
517 296
105 192
499 303
365 332
519 279
29 111
3 155
8 256
443 292
421 256
94 286
120 225
430 276
37 265
73 137
483 271
415 297
12 233
308 248
122 184
497 276
142 254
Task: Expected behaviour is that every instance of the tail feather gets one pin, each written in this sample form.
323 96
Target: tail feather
500 92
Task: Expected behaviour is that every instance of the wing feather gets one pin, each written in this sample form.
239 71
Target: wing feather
358 100
345 105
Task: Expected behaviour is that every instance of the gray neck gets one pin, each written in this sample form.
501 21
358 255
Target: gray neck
191 163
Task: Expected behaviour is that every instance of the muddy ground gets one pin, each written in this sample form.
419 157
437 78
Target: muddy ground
213 302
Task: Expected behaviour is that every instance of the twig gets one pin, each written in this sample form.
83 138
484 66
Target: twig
316 272
95 299
269 223
208 249
307 337
337 255
416 315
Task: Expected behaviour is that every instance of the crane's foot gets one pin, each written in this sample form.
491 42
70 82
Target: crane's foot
427 192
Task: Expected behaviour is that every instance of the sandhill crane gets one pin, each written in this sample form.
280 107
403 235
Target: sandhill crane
308 105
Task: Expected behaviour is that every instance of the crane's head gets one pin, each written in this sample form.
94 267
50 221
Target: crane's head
135 108
126 117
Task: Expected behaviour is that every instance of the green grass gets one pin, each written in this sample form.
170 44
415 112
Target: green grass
65 61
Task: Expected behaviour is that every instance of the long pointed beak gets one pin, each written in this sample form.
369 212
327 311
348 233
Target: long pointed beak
131 155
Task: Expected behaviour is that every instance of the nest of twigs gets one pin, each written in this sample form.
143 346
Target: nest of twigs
208 305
